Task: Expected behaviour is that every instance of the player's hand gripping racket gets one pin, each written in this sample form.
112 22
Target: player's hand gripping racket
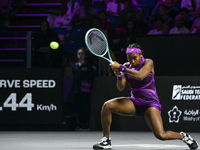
97 44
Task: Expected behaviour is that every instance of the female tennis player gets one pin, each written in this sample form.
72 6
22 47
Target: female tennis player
139 72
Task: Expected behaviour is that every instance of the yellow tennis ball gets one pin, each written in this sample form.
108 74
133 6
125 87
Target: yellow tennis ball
54 45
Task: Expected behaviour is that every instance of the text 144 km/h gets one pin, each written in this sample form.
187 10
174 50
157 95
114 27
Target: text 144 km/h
26 102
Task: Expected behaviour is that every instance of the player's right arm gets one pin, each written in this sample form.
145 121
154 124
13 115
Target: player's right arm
121 83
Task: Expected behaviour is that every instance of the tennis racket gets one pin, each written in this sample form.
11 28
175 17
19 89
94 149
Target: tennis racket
97 44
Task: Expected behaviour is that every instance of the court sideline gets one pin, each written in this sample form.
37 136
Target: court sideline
83 140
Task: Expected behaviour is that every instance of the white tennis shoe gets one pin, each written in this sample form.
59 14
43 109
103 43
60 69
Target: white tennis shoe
104 144
189 141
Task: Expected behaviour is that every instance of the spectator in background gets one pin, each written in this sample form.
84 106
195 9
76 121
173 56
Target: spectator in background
72 5
159 27
170 11
83 78
126 14
131 33
179 27
64 20
196 26
105 24
96 23
45 57
129 38
51 18
184 12
98 5
196 13
114 7
84 14
191 5
118 43
169 22
142 25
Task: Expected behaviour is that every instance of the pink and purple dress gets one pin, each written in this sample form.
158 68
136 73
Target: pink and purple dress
143 92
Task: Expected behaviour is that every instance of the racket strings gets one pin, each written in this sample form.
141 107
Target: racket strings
96 42
96 45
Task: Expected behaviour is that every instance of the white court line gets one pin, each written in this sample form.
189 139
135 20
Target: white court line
150 146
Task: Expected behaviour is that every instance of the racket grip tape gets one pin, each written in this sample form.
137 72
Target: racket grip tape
122 68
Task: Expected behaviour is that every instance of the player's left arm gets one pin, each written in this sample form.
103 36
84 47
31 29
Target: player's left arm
146 69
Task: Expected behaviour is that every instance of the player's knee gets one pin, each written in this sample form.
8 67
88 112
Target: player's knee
160 135
107 106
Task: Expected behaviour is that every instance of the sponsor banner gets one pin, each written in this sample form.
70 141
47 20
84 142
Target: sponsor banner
189 92
180 99
177 115
30 96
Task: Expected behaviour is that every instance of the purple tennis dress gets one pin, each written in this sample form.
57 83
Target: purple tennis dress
143 92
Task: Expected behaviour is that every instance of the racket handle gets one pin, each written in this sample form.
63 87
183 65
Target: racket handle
111 62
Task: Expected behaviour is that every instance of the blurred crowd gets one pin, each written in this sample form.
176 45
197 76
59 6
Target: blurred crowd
122 21
143 16
117 18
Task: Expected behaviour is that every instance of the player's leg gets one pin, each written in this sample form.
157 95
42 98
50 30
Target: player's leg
154 121
122 106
